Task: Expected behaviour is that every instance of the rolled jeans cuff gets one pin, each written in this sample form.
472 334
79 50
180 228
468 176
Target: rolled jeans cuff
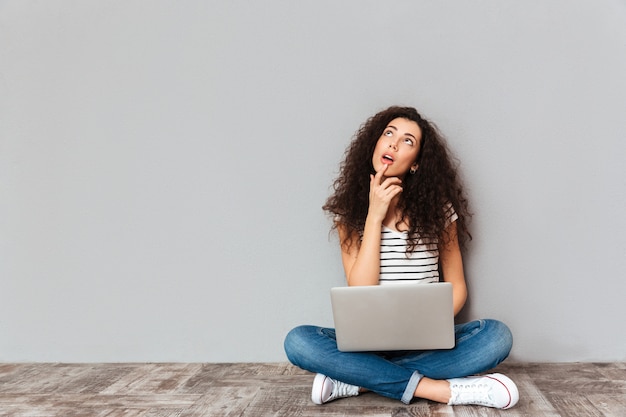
409 392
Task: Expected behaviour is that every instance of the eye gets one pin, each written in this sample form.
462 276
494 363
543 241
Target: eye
408 141
388 133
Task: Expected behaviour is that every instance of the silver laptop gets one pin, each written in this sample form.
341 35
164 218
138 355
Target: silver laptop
393 317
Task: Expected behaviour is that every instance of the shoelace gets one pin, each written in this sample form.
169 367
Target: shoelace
476 393
342 389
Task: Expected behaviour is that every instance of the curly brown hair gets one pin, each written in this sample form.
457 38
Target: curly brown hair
425 196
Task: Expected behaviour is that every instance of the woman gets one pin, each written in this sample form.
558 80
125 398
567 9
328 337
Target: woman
399 186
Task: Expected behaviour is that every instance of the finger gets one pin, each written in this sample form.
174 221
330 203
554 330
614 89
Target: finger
389 181
387 194
393 191
380 172
394 188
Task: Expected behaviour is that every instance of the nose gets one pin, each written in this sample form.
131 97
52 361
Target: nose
393 145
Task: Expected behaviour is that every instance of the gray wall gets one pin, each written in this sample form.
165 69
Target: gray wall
163 165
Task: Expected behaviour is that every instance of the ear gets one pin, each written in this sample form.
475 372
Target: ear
413 169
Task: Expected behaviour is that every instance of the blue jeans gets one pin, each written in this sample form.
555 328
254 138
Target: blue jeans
480 346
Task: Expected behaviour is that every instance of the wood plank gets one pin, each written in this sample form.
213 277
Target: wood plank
222 401
154 378
609 404
261 389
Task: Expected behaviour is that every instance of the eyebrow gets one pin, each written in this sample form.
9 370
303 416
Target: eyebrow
396 129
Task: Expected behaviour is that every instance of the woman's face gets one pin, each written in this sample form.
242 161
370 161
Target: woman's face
398 147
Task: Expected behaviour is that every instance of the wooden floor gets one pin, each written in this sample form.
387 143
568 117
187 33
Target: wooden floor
255 390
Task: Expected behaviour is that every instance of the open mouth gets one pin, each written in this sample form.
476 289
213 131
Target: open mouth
387 159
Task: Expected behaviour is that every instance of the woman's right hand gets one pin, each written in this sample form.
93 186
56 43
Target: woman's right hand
382 192
362 263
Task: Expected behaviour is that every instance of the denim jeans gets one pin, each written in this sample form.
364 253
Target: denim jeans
480 346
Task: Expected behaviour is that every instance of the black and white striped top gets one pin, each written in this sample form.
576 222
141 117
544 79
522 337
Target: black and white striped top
421 266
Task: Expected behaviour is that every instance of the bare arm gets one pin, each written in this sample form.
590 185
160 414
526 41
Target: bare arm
362 264
452 268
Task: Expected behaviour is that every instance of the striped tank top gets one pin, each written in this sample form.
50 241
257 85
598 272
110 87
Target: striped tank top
421 266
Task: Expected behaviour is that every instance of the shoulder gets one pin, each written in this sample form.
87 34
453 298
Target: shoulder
450 214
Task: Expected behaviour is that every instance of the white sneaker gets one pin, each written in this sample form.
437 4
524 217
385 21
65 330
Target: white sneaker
326 389
494 390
